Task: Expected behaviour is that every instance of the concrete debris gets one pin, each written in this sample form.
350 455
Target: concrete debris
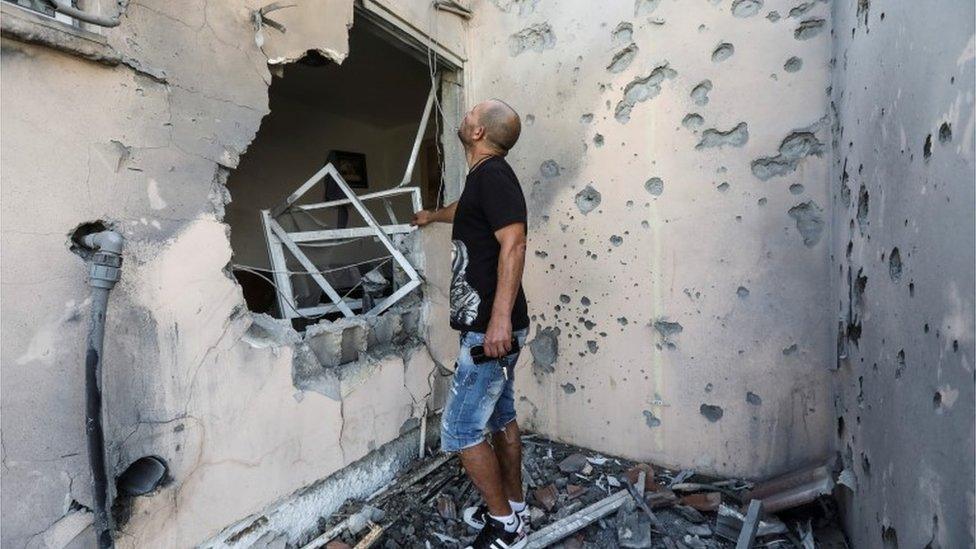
423 508
573 464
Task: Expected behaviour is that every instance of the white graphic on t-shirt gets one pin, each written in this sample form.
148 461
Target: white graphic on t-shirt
464 298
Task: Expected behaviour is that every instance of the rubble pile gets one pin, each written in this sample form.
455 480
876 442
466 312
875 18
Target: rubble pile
581 499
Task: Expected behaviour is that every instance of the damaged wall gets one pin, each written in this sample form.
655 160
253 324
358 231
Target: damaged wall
902 194
676 177
146 145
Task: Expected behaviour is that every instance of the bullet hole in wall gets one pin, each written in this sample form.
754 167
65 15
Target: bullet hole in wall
889 537
722 52
927 147
945 133
808 29
711 412
894 265
793 64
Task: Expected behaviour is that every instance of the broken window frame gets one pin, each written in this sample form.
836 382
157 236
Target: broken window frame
278 239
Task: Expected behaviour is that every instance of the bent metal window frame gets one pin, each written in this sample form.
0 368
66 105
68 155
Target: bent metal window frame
278 239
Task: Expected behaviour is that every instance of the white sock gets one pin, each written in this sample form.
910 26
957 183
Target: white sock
517 506
511 522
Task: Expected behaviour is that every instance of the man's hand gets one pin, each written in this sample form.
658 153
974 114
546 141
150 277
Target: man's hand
421 218
498 338
442 215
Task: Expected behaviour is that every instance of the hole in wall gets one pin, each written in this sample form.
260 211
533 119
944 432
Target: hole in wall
142 477
362 116
80 232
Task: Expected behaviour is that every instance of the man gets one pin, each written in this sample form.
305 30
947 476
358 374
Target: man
488 308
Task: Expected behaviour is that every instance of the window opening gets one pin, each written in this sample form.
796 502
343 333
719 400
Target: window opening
364 136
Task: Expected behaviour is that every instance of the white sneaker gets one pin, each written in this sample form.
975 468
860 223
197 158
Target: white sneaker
477 516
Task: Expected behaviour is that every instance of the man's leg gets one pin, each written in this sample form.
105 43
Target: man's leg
474 392
508 450
482 465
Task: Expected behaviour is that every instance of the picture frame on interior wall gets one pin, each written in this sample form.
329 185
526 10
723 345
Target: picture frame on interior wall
352 166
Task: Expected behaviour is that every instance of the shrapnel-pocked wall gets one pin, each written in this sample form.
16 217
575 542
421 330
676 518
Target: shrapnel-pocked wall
902 195
675 160
143 138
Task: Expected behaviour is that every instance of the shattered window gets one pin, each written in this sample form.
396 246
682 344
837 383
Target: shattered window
322 200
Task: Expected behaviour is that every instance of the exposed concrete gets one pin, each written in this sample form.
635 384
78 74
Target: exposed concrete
902 198
636 226
190 375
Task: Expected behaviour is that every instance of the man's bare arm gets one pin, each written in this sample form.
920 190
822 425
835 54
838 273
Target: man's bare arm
443 215
511 261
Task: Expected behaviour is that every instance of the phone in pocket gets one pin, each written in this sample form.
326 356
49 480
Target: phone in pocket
478 355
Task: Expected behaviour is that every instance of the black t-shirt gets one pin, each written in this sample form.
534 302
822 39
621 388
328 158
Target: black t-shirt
492 199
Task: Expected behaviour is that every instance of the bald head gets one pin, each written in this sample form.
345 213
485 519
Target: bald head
501 122
491 125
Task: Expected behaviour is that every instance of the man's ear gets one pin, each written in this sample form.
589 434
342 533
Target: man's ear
478 133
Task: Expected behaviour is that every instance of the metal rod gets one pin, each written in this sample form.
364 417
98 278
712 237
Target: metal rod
577 521
340 234
286 294
361 198
408 173
309 266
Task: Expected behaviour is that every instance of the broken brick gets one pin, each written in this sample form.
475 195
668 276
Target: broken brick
703 501
574 491
546 496
634 473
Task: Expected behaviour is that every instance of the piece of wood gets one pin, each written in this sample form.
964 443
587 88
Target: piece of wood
326 537
577 521
414 478
747 536
374 535
635 492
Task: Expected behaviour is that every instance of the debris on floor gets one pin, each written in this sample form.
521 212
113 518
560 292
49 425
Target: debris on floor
581 499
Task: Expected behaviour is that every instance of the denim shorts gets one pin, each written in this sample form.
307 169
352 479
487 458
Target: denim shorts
481 397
